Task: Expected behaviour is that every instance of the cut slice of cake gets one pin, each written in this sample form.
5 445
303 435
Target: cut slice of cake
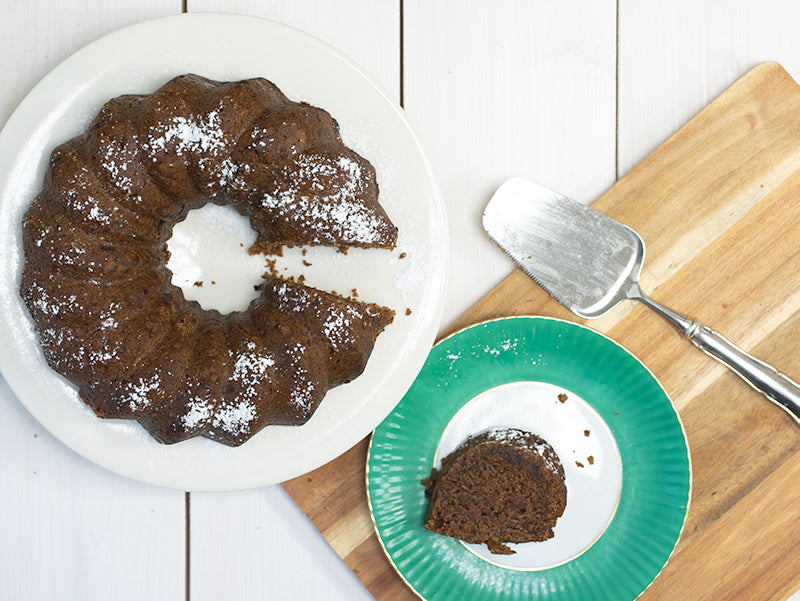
500 486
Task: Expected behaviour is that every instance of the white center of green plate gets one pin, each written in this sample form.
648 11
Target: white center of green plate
583 442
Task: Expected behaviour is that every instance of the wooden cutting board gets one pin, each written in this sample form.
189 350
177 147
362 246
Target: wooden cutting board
718 205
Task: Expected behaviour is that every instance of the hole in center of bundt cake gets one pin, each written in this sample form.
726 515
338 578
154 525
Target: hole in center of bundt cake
209 258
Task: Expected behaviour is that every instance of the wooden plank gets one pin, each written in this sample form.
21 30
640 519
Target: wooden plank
502 89
72 530
676 57
740 275
256 544
48 31
745 553
69 529
269 545
367 32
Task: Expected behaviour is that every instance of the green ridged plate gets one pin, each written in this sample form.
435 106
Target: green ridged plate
632 547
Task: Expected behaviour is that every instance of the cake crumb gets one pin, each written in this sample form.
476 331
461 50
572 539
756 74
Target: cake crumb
562 398
355 293
408 311
272 269
304 252
198 283
587 432
590 459
402 255
579 464
306 263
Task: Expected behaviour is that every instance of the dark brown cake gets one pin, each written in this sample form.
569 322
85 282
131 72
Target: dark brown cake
500 486
95 279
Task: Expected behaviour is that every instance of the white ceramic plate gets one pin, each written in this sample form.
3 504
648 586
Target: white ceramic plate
139 59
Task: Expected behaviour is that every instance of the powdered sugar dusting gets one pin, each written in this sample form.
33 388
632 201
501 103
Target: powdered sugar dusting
199 412
303 387
338 321
326 195
138 393
235 418
522 440
251 363
61 346
338 325
199 137
115 157
197 133
67 348
295 299
251 367
302 394
77 198
37 296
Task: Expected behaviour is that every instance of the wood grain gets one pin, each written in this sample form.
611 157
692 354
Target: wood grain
70 529
716 205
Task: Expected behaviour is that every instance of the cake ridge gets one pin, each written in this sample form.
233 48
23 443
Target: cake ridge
135 391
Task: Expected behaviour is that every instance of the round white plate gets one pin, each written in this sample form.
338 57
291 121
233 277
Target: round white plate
140 58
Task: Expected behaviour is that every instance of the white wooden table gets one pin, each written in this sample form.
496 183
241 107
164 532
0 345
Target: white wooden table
570 94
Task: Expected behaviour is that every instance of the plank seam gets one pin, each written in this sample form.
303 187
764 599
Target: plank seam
187 505
616 97
402 53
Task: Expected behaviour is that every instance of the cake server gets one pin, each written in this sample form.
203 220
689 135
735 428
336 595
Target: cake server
590 262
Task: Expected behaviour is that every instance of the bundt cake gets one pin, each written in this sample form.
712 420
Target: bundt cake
500 486
95 279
